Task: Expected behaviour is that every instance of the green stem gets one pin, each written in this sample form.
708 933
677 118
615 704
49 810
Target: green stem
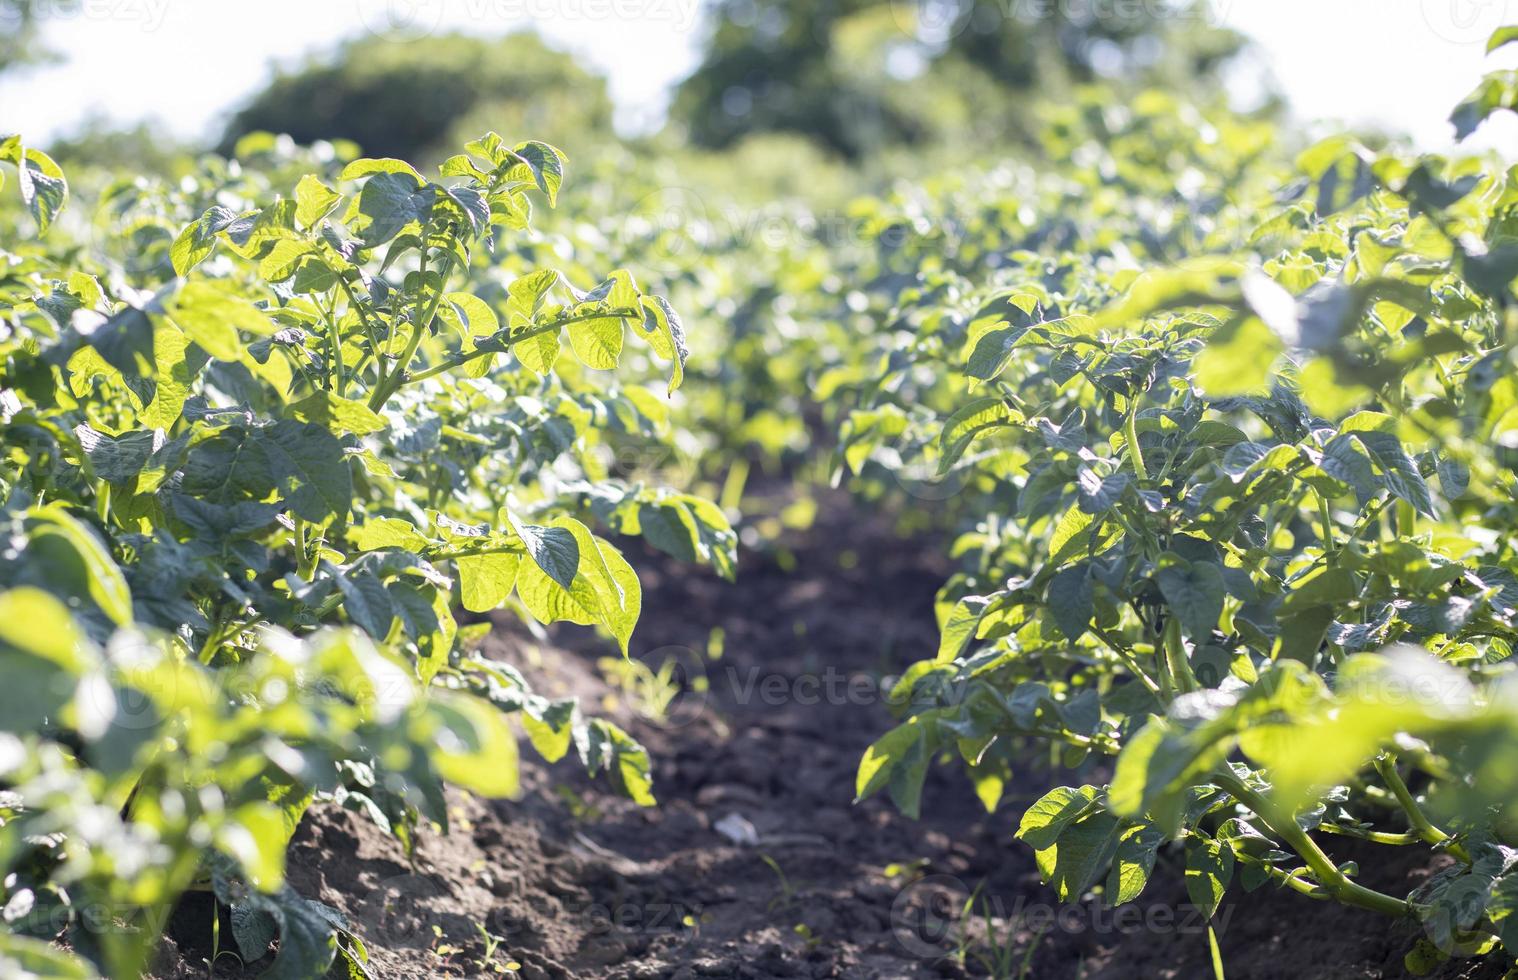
1372 513
1175 658
1374 836
1386 765
305 565
1126 655
383 393
1333 881
1325 514
1131 436
369 330
464 357
336 341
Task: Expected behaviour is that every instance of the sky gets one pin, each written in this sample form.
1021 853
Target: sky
1400 65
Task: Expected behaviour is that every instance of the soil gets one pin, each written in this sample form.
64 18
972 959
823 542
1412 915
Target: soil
756 864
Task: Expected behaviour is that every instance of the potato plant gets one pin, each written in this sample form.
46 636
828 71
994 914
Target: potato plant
1242 553
259 447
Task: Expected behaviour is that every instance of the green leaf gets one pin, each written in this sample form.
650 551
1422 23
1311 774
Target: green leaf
1237 360
1082 854
597 343
211 313
604 590
478 317
101 577
389 532
118 459
338 414
993 352
365 166
1201 281
543 164
1209 869
609 748
253 930
1496 91
485 581
539 352
389 202
1194 591
44 189
960 627
554 550
1045 820
309 468
369 605
882 757
472 745
26 959
1137 848
37 623
1070 600
307 938
666 335
969 422
255 836
314 200
197 241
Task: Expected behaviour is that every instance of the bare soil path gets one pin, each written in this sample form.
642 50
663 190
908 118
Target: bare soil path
756 864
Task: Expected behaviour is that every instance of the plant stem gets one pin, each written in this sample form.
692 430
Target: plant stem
305 566
1374 836
1126 655
464 357
1131 437
1175 658
1325 514
369 331
383 392
335 340
1333 881
1386 765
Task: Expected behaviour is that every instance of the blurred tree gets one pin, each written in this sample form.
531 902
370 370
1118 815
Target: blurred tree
20 23
417 99
856 75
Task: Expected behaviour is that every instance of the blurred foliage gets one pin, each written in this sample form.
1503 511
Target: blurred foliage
97 142
413 99
861 75
20 21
